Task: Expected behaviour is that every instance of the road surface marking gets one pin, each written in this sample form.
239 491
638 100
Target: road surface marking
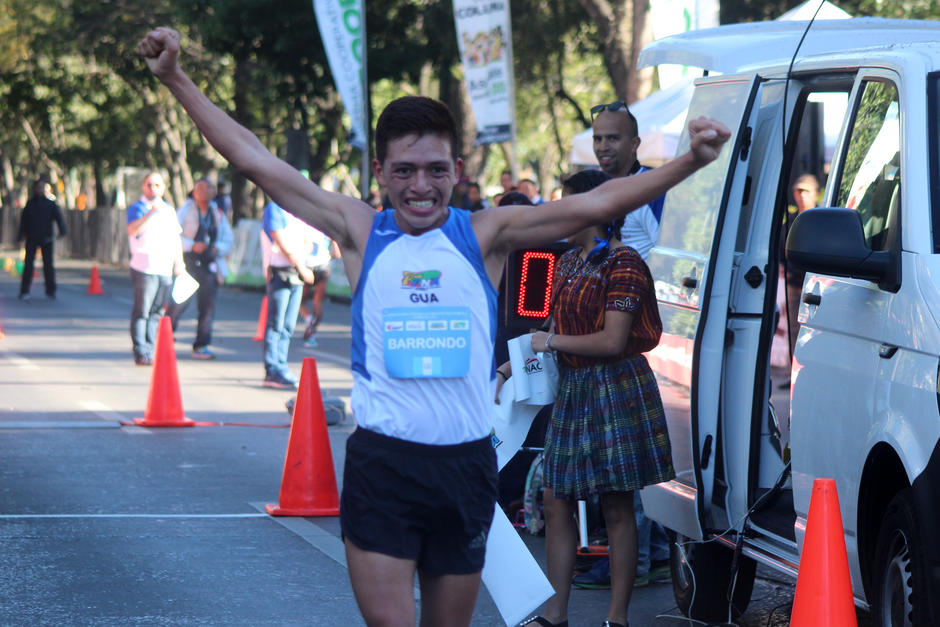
102 411
318 537
57 424
20 361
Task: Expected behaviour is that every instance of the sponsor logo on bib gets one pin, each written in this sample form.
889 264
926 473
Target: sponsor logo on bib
426 280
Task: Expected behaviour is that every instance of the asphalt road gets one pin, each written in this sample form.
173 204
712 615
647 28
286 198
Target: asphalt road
105 524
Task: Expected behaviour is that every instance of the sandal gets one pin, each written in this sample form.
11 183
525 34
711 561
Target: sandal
608 623
542 622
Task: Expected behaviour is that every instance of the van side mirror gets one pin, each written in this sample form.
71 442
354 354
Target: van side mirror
831 241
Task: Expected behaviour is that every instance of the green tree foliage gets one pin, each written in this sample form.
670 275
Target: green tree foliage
901 9
76 101
559 75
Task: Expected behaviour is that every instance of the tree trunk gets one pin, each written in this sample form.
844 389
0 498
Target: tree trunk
101 197
239 191
623 27
458 99
7 181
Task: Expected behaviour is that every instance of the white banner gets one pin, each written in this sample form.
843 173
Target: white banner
484 35
343 31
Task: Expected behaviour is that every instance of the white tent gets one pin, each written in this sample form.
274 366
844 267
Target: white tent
661 115
806 10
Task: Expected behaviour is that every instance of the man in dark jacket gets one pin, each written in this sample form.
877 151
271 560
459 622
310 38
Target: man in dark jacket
36 227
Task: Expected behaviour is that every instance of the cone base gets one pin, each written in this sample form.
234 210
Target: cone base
183 422
275 510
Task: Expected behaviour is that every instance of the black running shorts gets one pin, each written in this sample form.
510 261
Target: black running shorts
429 503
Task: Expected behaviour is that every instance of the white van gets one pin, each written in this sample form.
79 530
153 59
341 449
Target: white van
857 104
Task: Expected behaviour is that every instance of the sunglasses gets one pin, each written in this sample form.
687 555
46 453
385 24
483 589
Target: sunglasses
616 105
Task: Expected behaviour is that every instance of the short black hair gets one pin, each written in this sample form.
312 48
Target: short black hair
514 198
39 186
417 115
585 181
632 126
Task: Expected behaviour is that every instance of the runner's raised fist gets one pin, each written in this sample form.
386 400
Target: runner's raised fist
160 49
707 136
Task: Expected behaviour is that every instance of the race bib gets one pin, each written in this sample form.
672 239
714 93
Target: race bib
422 343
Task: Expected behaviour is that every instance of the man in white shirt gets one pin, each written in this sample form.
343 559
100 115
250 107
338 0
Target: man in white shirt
616 141
156 256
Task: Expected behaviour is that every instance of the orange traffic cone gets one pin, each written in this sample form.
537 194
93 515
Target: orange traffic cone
94 284
823 585
262 320
308 485
164 404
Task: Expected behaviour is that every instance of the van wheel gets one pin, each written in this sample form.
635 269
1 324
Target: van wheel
899 589
702 579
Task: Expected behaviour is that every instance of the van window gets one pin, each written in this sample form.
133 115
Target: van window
871 176
689 222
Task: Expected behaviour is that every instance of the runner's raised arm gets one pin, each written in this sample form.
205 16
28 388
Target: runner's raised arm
344 219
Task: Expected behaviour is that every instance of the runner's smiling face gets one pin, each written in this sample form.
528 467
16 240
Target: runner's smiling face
419 174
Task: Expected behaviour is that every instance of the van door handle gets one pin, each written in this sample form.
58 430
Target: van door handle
887 351
689 282
812 299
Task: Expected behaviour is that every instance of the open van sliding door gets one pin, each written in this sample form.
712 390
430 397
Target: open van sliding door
691 266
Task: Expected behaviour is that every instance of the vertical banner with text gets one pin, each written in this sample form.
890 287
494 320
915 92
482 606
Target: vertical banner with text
342 26
485 38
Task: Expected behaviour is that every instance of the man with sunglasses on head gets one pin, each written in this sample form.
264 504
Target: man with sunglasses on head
616 140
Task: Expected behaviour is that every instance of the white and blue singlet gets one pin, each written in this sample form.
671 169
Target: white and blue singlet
423 328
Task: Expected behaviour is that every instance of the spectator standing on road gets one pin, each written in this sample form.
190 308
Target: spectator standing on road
459 195
531 191
284 248
506 181
421 457
206 238
475 198
156 256
322 251
223 201
607 435
616 140
37 227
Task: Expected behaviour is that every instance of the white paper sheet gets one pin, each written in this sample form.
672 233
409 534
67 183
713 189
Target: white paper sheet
511 575
183 287
511 422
